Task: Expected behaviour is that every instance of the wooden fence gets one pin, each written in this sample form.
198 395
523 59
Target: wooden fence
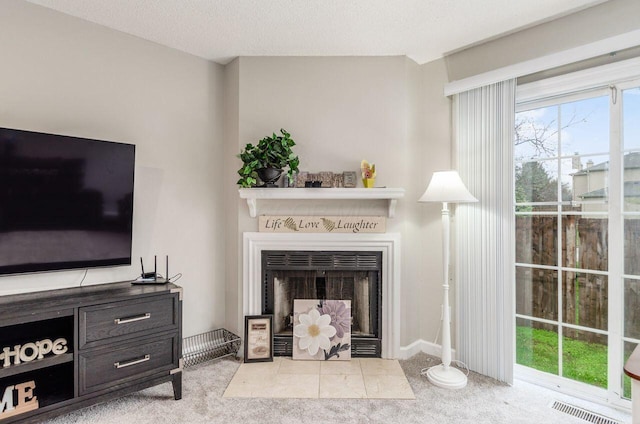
584 294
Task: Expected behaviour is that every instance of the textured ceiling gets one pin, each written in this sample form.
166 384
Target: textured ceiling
220 30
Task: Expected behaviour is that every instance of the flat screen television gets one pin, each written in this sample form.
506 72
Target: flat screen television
65 202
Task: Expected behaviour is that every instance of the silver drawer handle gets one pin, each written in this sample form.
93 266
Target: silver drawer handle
119 321
132 362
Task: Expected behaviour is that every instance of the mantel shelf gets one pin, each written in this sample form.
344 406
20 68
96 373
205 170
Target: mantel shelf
252 195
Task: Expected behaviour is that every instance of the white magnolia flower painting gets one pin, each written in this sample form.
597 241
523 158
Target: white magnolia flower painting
322 329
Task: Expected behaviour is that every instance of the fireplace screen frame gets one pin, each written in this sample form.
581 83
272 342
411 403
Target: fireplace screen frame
321 262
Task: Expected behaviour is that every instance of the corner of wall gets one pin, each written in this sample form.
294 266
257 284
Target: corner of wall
233 295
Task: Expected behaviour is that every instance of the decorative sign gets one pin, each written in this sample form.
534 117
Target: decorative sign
18 399
31 351
258 338
322 224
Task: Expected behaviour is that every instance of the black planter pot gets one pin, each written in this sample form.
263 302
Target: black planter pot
269 176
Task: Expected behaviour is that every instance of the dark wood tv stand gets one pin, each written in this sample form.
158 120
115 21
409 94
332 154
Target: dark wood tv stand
65 349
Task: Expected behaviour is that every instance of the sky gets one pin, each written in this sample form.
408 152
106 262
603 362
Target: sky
585 132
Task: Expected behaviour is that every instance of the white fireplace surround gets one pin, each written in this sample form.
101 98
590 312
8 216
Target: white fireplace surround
387 243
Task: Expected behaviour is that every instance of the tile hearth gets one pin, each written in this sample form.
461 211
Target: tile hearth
359 378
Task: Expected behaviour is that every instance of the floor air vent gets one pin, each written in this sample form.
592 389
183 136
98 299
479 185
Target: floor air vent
583 413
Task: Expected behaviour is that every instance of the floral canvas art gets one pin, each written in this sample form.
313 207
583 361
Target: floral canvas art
322 329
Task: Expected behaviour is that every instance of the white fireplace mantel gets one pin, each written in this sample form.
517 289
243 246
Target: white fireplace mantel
253 194
387 243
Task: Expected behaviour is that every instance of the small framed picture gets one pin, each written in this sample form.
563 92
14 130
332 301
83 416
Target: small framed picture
258 338
349 179
301 178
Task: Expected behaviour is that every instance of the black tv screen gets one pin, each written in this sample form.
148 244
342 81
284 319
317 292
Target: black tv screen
65 202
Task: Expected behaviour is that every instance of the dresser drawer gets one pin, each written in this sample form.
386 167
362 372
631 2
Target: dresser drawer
104 368
131 317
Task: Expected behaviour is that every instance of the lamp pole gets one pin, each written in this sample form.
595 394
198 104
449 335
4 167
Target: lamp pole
446 309
444 375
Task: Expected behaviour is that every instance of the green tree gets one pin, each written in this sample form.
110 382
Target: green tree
534 184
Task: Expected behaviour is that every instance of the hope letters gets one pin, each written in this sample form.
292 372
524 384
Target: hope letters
30 351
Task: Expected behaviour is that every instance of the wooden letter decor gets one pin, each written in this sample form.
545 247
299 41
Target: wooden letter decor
322 224
31 351
24 398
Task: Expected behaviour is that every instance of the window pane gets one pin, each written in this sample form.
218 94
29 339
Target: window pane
631 118
537 240
537 345
632 196
585 182
632 308
563 201
537 182
584 126
632 246
585 242
584 299
632 181
537 293
584 357
536 134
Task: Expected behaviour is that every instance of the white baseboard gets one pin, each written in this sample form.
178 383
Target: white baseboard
420 345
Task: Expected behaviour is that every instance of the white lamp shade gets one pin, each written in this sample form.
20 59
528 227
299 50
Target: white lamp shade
446 186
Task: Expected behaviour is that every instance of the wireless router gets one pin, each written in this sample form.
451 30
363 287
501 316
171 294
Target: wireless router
153 277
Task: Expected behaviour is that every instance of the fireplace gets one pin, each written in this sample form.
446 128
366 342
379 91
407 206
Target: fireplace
388 244
322 275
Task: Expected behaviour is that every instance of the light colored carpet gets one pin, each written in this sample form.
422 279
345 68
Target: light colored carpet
483 401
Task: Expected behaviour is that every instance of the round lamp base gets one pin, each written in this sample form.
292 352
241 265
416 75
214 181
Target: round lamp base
448 378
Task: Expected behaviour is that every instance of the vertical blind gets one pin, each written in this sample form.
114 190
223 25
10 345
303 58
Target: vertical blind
484 127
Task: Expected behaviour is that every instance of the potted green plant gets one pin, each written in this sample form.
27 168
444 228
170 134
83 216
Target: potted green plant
267 160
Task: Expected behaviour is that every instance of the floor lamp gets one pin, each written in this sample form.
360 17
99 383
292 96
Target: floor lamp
446 187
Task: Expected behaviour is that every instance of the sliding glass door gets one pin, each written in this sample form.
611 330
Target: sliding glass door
577 207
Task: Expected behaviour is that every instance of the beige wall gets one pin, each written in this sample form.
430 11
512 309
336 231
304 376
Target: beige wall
63 75
72 77
611 18
189 118
432 153
339 111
